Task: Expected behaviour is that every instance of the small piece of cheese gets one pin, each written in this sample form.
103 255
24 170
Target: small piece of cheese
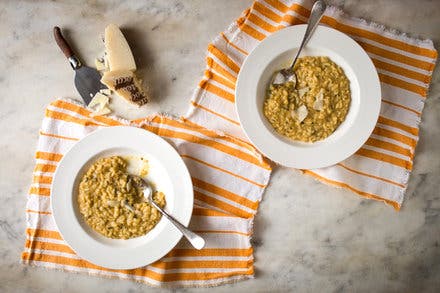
103 111
98 102
292 78
100 65
106 92
118 51
278 78
126 85
319 101
300 114
303 91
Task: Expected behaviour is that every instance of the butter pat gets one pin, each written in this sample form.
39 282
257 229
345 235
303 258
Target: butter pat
125 84
118 51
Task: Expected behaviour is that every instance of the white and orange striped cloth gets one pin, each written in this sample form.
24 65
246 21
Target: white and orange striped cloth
229 178
381 168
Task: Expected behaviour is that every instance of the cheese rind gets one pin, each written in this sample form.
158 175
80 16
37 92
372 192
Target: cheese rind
118 51
125 84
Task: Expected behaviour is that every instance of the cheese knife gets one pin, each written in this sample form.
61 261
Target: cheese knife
87 79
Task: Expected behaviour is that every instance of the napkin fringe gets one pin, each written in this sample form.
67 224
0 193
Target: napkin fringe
81 104
395 204
389 32
215 282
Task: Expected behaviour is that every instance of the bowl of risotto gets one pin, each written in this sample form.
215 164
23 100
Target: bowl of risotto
99 207
321 117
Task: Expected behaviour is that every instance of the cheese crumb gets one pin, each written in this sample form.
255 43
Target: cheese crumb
100 64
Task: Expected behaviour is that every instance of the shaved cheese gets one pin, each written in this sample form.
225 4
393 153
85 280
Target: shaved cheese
303 91
98 102
103 111
278 79
301 113
292 78
319 101
118 51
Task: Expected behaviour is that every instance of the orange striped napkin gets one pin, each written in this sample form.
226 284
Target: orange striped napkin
381 168
228 174
229 178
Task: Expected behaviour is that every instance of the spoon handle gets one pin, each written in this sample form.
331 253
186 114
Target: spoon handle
196 241
318 10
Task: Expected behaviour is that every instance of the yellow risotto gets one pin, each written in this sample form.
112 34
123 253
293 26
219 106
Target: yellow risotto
111 202
312 108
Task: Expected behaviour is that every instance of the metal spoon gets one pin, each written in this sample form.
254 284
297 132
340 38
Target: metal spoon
287 74
196 241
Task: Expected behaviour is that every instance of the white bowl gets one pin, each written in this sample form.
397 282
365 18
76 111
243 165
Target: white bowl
167 171
276 52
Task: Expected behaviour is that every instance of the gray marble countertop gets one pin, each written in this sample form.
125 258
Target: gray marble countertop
321 239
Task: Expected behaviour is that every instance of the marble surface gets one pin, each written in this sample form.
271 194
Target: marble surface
308 237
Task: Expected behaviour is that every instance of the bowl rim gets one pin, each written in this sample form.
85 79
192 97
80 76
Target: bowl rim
117 253
311 155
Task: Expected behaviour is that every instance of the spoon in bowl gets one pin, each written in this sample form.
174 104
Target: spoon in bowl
196 241
287 74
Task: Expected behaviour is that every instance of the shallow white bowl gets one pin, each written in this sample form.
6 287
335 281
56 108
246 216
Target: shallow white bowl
167 171
277 52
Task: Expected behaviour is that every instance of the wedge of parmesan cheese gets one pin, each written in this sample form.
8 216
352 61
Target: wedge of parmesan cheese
125 84
118 51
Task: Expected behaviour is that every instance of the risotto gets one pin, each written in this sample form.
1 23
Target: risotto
111 202
312 108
